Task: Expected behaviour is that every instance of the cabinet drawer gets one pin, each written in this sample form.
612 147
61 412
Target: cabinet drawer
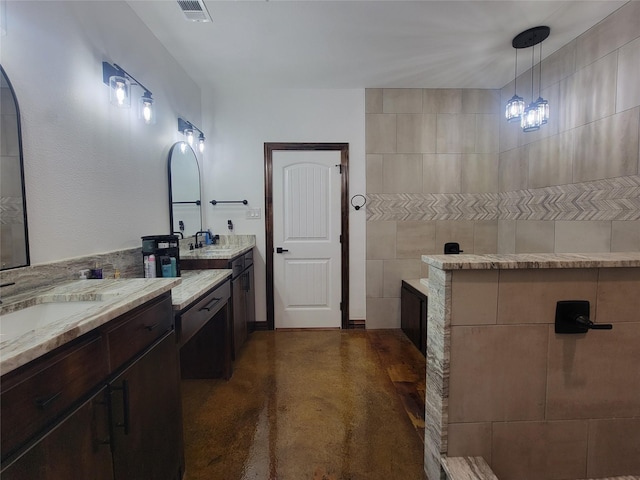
36 396
138 330
248 259
236 266
195 317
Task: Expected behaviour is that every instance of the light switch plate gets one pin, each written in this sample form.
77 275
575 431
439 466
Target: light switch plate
253 214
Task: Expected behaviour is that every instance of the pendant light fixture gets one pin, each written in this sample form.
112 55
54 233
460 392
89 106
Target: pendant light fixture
515 106
537 112
187 129
120 82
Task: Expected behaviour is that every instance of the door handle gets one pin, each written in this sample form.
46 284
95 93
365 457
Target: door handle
281 250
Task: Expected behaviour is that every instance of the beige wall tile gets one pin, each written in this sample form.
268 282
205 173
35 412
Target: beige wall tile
596 103
550 160
373 100
415 239
588 236
416 133
535 236
460 231
595 371
497 373
485 237
442 100
441 173
530 296
479 173
456 133
381 240
374 173
374 278
613 32
402 173
506 236
487 133
618 296
607 148
475 100
474 297
380 133
469 440
568 103
424 270
394 271
628 91
513 170
536 450
402 100
383 313
559 65
625 236
614 447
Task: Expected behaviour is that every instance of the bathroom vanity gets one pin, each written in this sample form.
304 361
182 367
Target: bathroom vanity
239 259
94 393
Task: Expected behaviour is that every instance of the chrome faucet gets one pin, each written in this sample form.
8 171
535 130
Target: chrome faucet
8 284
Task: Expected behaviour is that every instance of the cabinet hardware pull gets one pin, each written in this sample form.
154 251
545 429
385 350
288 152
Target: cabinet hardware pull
43 403
125 407
152 327
210 306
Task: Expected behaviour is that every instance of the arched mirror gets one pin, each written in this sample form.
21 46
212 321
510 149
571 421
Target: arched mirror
14 241
184 190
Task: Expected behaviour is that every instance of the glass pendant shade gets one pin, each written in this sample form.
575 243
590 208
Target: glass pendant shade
543 110
530 119
183 147
146 110
201 143
514 109
120 91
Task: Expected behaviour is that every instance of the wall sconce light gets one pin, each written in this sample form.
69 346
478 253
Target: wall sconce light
120 82
187 129
536 113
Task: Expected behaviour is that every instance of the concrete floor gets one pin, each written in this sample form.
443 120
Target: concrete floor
302 405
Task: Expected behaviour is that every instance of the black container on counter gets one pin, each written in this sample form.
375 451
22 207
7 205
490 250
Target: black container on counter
166 251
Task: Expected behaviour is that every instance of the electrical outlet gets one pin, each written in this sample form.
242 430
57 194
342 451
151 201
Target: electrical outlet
253 214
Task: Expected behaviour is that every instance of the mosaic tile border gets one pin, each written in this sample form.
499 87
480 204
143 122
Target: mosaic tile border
608 199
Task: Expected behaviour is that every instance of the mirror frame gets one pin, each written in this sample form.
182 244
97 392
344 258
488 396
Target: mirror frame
23 190
198 202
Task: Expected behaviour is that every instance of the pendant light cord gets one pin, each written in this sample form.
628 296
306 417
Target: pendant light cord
515 75
540 74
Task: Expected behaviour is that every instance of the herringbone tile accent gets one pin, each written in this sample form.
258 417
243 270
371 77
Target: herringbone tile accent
608 199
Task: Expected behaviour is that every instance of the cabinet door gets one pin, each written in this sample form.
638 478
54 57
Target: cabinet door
77 448
250 300
239 313
410 316
146 416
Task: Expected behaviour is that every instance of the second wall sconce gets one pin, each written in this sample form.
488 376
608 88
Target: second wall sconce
120 82
187 129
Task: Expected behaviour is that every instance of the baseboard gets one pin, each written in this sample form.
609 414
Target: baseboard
258 326
357 324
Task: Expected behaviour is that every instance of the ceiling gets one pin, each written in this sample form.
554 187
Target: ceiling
363 44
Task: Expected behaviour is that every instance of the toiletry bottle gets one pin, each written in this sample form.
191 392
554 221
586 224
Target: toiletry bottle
152 266
146 267
174 267
165 263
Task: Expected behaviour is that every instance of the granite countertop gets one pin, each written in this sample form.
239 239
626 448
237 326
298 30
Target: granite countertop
533 260
215 252
196 283
420 284
109 298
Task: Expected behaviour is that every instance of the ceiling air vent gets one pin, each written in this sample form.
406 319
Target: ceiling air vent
195 10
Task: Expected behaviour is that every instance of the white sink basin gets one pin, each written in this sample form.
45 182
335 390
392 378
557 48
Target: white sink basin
18 323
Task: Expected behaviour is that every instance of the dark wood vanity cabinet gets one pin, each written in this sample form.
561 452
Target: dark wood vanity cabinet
243 309
413 315
104 406
205 334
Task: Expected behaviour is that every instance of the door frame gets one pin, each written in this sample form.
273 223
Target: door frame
343 148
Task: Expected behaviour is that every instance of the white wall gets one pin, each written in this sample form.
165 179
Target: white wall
96 177
239 122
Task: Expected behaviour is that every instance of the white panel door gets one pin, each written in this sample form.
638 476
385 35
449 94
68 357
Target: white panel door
306 227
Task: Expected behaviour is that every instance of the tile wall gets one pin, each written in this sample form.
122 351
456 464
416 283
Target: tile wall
443 165
539 405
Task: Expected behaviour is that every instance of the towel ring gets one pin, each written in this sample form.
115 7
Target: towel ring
358 207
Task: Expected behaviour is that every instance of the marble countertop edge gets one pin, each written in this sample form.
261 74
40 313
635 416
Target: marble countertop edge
196 283
533 260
